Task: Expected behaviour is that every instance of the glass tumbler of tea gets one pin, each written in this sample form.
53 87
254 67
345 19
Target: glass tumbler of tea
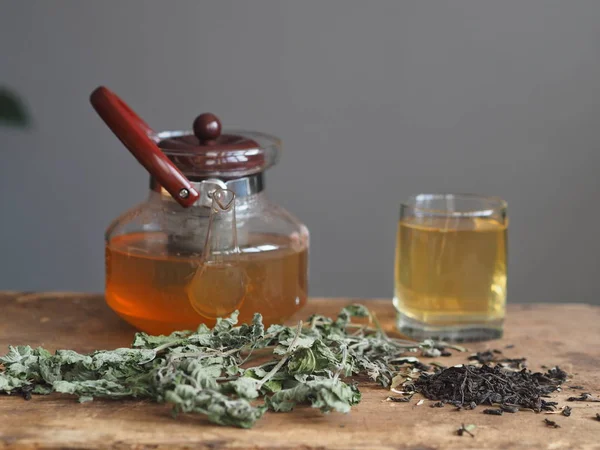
450 268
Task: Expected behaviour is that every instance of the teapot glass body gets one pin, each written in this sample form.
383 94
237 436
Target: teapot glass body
160 279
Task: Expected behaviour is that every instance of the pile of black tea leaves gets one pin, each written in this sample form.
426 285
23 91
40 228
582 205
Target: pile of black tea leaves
466 386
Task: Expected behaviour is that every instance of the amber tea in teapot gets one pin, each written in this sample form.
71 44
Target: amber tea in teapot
148 285
185 256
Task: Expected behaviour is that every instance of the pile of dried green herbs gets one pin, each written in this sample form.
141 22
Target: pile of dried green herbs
209 371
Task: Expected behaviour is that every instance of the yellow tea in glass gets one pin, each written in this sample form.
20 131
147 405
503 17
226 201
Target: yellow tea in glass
450 270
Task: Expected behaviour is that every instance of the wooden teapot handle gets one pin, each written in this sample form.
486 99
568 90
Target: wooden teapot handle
137 137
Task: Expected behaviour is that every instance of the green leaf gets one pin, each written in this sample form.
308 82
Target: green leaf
16 354
12 110
303 361
217 407
244 387
92 388
227 324
9 383
325 394
272 386
255 372
40 389
315 359
50 370
143 340
301 342
257 328
346 314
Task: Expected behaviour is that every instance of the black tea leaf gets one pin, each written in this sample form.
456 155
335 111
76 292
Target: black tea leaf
551 423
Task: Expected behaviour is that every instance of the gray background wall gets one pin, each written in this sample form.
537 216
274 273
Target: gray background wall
375 100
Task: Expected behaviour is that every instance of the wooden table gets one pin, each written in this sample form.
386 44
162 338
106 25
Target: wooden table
565 335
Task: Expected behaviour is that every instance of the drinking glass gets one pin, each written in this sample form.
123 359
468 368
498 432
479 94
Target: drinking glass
450 270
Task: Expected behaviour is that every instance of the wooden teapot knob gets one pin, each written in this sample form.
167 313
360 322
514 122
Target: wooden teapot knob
207 128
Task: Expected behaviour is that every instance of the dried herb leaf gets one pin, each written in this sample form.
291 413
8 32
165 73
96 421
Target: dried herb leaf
217 407
325 394
466 429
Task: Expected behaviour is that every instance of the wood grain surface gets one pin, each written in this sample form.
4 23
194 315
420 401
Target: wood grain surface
564 335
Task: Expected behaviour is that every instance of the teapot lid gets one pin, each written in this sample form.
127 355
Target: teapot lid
207 152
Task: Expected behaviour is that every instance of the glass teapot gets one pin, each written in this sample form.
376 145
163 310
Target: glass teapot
206 241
